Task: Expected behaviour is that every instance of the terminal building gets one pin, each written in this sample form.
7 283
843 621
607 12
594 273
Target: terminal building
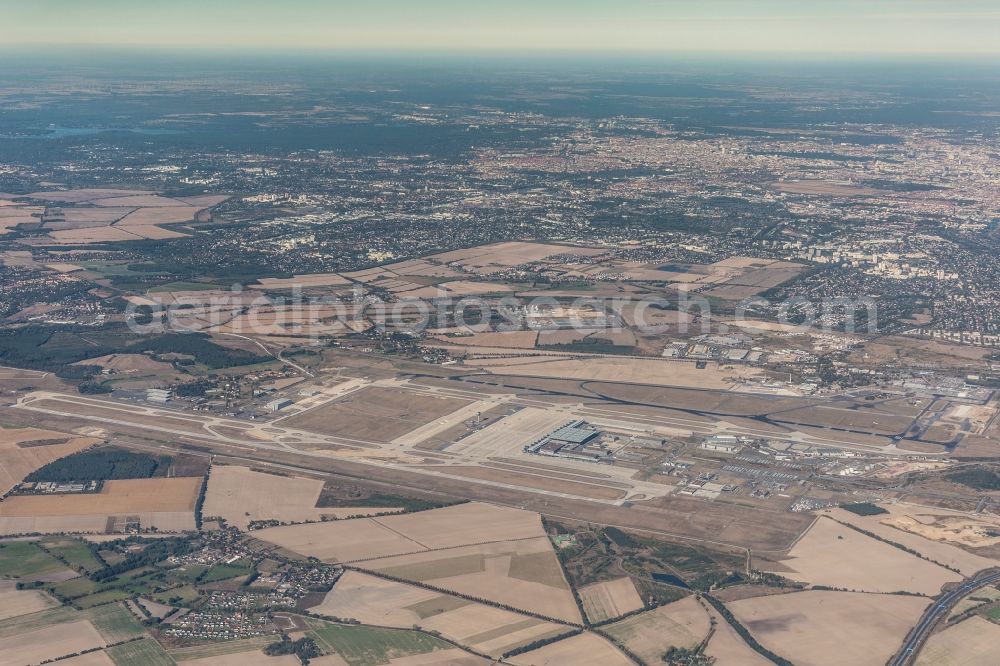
573 441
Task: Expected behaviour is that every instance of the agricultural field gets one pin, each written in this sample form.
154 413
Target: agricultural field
369 538
610 599
370 646
99 658
75 552
139 653
818 628
249 658
44 644
104 215
523 574
480 550
216 649
23 450
833 555
971 642
585 649
726 646
241 496
377 601
14 602
165 503
23 559
683 624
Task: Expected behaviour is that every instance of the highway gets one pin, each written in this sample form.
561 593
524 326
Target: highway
915 640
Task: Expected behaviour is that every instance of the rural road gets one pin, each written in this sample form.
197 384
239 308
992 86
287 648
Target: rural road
272 354
915 640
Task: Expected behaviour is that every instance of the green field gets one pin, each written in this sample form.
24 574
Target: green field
114 623
77 587
184 286
225 572
189 574
99 598
184 595
75 551
140 653
994 613
23 559
107 269
371 646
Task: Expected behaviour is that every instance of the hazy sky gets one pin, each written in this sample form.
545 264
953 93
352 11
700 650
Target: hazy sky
824 26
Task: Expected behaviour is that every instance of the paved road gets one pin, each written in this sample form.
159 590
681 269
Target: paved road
915 640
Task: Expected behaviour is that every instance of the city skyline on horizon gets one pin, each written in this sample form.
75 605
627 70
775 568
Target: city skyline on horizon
879 27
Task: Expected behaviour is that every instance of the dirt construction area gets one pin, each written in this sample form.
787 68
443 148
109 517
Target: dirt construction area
890 527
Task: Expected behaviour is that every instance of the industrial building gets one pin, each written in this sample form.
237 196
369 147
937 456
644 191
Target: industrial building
278 405
160 396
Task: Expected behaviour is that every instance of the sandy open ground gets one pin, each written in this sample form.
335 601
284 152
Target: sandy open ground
585 649
376 414
613 598
486 259
834 555
817 628
43 644
372 600
23 450
956 529
513 339
971 642
939 551
637 370
472 522
683 623
241 495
